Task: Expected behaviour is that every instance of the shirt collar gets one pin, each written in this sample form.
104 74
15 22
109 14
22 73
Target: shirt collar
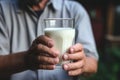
57 4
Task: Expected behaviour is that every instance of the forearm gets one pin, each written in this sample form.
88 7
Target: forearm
12 63
90 66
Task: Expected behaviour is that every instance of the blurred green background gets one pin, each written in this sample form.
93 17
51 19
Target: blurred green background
105 19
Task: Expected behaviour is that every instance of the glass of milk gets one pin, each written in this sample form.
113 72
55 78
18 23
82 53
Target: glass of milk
62 31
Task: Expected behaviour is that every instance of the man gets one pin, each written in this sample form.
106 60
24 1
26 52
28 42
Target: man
23 45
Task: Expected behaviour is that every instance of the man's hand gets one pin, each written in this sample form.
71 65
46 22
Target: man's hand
81 64
76 54
42 54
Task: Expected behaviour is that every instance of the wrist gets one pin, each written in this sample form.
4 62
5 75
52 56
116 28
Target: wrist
31 61
90 66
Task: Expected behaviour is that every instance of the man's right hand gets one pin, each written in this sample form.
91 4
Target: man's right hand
42 54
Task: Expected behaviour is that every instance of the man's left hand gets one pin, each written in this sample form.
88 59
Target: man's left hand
77 56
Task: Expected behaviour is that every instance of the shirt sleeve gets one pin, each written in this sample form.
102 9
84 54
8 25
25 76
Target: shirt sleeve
4 38
84 34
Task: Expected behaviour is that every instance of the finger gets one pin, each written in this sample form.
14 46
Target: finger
48 67
75 72
76 56
44 40
74 65
75 48
44 49
47 60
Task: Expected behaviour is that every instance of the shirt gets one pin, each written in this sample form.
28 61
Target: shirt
18 28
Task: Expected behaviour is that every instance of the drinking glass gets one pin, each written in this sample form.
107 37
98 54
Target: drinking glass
62 31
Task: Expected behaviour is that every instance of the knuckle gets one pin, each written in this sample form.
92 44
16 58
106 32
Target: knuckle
43 66
56 60
72 73
46 59
41 37
40 58
52 52
40 46
37 47
80 45
51 67
70 56
53 60
49 60
70 66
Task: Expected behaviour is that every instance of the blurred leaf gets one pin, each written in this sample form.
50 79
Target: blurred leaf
109 64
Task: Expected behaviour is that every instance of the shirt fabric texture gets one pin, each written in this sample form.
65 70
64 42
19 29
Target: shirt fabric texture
18 28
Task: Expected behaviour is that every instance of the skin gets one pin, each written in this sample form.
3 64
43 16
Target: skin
15 63
82 64
44 54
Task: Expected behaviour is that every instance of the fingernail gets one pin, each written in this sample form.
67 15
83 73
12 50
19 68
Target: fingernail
65 57
69 73
56 53
65 67
57 61
54 67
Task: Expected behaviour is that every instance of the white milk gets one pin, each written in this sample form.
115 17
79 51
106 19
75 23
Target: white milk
63 38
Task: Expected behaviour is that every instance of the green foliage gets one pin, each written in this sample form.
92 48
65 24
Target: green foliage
109 64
